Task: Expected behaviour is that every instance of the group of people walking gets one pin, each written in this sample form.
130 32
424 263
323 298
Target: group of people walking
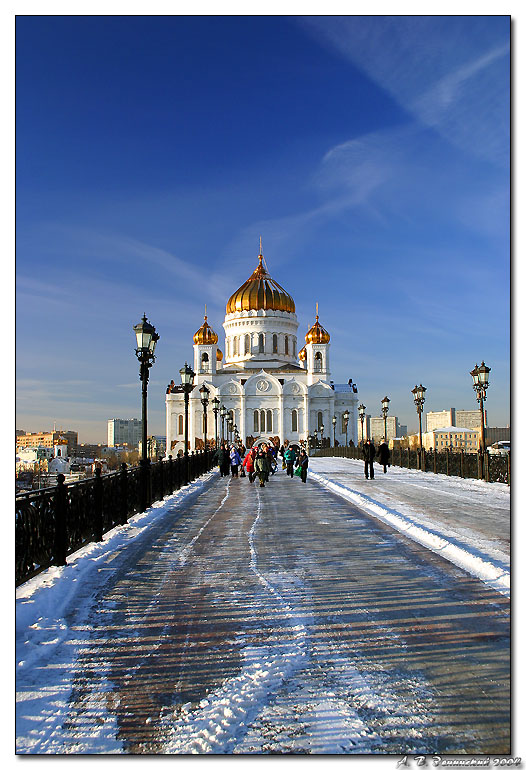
261 462
370 453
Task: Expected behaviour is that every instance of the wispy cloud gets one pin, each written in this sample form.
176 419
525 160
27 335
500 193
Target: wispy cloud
447 72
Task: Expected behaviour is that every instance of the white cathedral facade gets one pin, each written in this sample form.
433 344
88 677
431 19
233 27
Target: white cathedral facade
271 388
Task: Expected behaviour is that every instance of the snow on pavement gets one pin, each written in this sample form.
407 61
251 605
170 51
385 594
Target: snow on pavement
46 645
466 521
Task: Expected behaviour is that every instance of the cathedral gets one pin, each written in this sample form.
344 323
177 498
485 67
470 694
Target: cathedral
271 389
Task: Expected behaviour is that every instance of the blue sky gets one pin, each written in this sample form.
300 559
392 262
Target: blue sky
370 153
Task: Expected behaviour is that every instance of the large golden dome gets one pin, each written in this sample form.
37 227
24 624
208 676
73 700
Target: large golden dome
260 292
317 333
205 335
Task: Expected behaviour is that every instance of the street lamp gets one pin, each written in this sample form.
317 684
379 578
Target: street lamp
222 412
187 379
215 409
346 423
385 409
229 425
315 438
480 376
146 338
361 412
322 428
205 395
334 421
419 393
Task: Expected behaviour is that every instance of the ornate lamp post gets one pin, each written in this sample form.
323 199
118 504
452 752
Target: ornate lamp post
385 409
315 438
334 421
215 409
480 376
346 423
205 395
361 412
222 412
147 338
322 428
187 379
229 425
419 393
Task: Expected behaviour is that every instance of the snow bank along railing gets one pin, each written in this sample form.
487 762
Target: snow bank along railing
55 522
467 465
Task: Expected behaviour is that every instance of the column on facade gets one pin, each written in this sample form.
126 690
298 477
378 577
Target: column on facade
242 419
305 416
281 425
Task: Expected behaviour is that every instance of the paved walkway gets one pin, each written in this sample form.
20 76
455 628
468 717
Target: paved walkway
468 511
286 620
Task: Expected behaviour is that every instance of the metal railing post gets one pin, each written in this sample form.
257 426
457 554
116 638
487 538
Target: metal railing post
60 548
98 524
124 494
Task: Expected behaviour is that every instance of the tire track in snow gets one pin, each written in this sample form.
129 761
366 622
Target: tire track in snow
223 717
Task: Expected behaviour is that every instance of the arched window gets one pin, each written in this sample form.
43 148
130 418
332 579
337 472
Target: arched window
204 424
294 426
294 347
262 420
286 346
261 343
320 419
274 343
256 421
236 348
180 427
231 415
318 362
205 363
247 343
269 420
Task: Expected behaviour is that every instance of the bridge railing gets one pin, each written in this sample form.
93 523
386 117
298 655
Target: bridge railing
467 465
55 522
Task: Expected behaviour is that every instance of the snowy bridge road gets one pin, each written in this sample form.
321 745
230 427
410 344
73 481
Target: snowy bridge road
274 620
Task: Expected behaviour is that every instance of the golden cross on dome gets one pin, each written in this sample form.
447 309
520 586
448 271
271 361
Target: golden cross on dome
205 311
317 311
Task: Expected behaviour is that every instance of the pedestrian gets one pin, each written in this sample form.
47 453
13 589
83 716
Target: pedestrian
248 464
222 457
290 459
303 462
368 456
235 460
384 455
272 458
261 466
282 455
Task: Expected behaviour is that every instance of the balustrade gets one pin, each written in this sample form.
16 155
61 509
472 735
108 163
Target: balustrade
52 523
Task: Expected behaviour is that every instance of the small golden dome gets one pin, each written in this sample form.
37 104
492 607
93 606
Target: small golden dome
302 355
317 333
260 292
219 355
205 335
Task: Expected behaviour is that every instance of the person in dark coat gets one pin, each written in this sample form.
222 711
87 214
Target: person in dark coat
303 462
222 457
261 465
384 455
369 453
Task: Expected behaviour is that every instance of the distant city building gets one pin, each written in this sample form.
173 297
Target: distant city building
156 447
451 437
377 428
89 451
49 439
124 432
457 417
497 434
